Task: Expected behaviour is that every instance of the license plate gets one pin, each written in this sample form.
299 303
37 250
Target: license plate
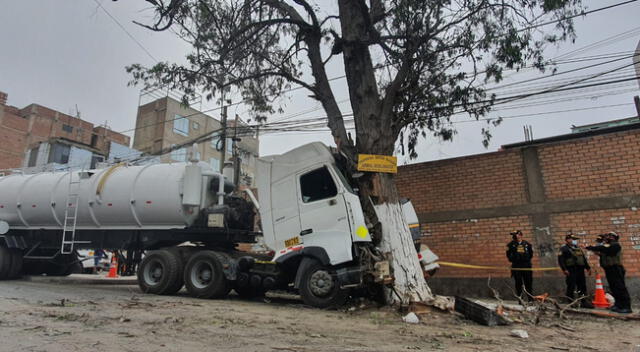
292 242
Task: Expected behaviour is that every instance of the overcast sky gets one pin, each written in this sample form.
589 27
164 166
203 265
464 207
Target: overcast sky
63 54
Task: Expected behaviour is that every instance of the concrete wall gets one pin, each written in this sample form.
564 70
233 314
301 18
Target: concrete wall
155 132
468 206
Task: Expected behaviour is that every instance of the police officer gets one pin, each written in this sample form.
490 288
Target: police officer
573 263
519 253
611 261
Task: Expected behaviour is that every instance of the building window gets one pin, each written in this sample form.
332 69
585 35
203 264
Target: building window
196 126
59 153
67 128
179 154
181 125
33 156
94 140
317 185
215 164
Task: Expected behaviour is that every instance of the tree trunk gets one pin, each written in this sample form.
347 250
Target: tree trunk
396 243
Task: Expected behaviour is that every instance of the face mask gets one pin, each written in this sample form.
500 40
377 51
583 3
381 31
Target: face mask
574 242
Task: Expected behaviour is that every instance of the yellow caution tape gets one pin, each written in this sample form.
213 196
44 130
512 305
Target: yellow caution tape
469 266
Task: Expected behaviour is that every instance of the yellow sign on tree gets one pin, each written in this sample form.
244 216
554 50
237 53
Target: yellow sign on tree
377 163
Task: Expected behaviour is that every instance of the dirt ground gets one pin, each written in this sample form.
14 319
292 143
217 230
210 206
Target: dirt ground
43 316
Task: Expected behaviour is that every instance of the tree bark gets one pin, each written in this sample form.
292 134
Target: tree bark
396 243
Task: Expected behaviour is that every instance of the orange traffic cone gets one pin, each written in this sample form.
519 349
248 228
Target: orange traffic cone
113 269
600 300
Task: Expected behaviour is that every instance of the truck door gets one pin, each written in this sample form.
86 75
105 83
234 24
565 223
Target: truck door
284 207
323 215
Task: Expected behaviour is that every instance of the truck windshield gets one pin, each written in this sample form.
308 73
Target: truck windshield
343 179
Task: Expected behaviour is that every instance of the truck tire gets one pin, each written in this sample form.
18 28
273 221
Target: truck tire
5 262
160 272
16 264
204 276
179 282
319 287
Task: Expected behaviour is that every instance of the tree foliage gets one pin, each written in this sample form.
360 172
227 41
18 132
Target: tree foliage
409 64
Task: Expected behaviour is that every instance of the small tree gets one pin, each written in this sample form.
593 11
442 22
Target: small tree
404 61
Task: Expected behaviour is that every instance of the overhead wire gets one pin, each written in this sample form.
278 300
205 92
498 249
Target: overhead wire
125 30
343 76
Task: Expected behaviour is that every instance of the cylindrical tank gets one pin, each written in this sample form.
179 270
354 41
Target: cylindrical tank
130 197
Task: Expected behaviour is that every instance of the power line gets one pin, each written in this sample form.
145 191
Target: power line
377 67
603 42
125 30
584 13
545 113
562 73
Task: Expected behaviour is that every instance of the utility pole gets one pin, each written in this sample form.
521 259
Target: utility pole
636 100
236 157
223 135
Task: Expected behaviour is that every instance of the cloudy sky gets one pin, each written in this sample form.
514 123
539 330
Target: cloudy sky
64 54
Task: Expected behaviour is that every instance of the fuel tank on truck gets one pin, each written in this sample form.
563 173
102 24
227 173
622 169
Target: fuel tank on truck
120 197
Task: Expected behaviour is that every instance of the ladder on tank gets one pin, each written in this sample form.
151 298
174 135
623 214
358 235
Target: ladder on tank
70 215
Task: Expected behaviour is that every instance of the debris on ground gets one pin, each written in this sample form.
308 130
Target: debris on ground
520 333
479 313
411 318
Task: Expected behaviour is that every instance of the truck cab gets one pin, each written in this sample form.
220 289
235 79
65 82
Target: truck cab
307 205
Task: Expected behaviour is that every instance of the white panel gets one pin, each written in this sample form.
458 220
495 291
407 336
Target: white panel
192 185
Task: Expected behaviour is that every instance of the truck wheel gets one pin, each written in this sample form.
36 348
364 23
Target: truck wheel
179 282
16 264
319 287
204 276
160 272
5 262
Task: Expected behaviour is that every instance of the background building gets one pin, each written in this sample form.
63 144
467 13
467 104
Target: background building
586 183
165 122
24 131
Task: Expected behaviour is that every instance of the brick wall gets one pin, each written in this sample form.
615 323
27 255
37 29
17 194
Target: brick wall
21 129
587 185
588 224
600 166
431 185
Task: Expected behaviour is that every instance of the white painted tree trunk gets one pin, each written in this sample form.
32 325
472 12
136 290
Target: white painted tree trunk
409 284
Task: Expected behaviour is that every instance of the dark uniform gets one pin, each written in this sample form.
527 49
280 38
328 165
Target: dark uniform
611 262
573 261
520 254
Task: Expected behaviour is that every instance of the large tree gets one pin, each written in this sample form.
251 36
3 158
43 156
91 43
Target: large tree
409 66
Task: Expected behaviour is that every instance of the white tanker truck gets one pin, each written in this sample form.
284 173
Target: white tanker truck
188 223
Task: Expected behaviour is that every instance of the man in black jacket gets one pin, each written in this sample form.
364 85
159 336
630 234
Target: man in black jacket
519 253
611 261
573 263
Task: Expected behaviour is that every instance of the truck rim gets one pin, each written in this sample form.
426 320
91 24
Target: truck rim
321 283
202 274
153 272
